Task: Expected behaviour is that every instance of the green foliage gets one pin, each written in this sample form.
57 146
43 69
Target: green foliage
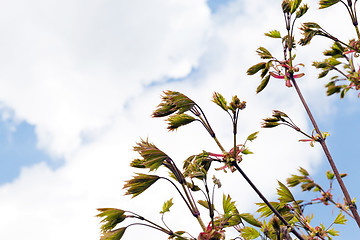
139 184
196 166
167 205
252 136
177 236
294 5
330 175
309 30
113 235
220 101
110 218
264 53
345 68
263 84
340 219
152 157
282 208
273 34
257 67
302 10
307 184
249 233
231 214
249 218
178 120
327 3
286 6
236 104
336 51
333 232
205 204
246 151
228 205
285 196
173 101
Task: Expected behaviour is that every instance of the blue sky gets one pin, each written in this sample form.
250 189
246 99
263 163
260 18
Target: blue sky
18 149
92 72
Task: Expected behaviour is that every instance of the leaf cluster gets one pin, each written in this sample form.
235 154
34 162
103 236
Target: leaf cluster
306 183
111 217
152 157
279 118
344 69
264 67
175 104
233 106
197 166
139 184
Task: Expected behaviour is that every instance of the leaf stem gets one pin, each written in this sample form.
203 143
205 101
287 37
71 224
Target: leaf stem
183 197
195 211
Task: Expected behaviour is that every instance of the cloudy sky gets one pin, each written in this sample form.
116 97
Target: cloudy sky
79 80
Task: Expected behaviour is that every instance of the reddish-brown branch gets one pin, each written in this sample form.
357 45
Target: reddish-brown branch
327 153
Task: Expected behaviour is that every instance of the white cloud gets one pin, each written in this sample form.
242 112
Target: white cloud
77 71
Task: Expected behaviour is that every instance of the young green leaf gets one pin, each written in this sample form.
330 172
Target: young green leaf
205 204
228 205
249 218
333 232
153 158
139 184
113 235
309 30
269 124
177 236
327 3
263 84
302 10
246 151
311 25
330 175
303 171
284 193
333 89
286 6
252 136
336 51
220 101
178 120
110 218
265 210
171 102
294 180
294 5
257 67
167 205
236 104
308 186
249 233
264 53
273 34
340 219
324 73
